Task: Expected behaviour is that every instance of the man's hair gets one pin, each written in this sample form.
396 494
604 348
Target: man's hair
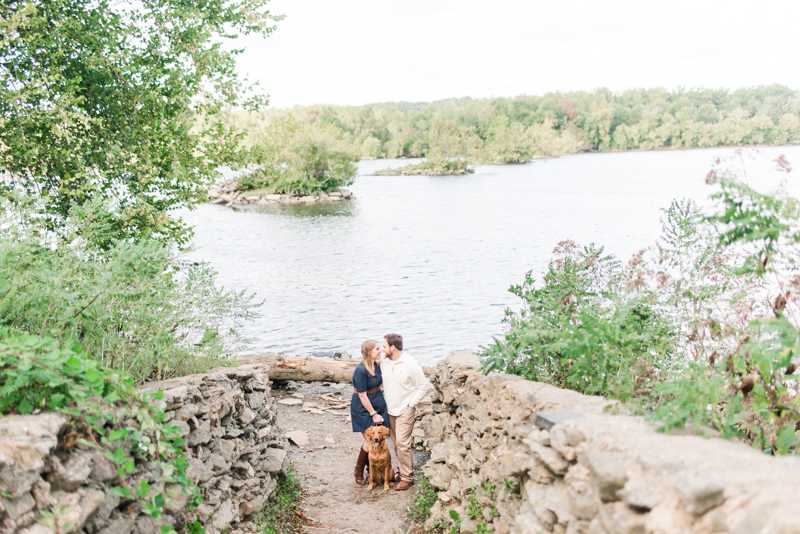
394 340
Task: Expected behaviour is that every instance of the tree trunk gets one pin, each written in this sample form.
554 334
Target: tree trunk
282 367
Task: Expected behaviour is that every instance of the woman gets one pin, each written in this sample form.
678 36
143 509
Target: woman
367 406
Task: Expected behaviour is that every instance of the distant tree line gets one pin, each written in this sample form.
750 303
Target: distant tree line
511 130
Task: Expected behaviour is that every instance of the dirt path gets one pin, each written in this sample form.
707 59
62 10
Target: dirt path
333 500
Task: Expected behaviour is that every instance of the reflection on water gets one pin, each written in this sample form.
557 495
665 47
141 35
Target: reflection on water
338 209
432 258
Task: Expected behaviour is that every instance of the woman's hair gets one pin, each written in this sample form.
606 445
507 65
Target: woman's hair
366 347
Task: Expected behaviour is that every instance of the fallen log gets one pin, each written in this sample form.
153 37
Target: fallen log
282 367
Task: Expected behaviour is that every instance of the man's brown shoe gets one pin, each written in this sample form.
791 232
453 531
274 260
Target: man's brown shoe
404 485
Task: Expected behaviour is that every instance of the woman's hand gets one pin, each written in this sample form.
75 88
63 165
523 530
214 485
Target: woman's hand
377 419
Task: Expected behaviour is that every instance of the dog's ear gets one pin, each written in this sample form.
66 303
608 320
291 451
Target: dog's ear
384 431
368 431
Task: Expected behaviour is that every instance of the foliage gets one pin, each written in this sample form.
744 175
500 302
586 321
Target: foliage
701 329
301 160
129 306
507 130
584 330
39 372
423 501
281 515
99 98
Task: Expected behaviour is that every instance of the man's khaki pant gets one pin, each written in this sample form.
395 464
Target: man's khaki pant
400 432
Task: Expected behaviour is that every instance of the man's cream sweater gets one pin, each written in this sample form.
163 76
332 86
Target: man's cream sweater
404 383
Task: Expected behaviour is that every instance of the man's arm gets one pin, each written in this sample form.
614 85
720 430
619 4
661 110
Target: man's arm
422 384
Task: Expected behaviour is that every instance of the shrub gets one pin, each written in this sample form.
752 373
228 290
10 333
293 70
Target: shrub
126 303
583 329
703 328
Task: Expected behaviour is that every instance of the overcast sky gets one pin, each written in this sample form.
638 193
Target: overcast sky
361 51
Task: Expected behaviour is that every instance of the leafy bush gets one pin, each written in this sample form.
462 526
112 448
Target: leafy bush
584 330
129 305
703 328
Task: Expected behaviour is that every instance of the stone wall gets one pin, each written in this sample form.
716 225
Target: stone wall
236 455
525 457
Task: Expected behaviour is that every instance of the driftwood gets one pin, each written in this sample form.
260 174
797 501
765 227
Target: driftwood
282 367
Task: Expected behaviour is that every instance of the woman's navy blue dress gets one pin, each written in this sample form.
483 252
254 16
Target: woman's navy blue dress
363 381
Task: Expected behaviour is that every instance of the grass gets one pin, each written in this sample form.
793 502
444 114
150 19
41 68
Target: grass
423 501
282 514
420 510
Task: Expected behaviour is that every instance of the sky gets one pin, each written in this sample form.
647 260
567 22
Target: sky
353 52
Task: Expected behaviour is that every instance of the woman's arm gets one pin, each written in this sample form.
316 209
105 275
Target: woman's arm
368 405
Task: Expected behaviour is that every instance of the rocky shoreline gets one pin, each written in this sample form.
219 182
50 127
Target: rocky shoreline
227 195
423 172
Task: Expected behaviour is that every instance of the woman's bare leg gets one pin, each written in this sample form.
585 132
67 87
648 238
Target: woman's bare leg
366 444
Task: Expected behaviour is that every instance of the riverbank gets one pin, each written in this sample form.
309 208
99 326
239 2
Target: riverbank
226 194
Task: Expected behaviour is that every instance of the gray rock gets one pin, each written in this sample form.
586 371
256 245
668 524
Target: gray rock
176 498
257 400
275 461
102 469
554 461
75 473
184 427
16 507
698 493
100 517
247 416
15 480
468 526
583 505
548 419
201 434
290 402
607 474
464 358
638 494
341 355
298 437
512 462
121 524
225 514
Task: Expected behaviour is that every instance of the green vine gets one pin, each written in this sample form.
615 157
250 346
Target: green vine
107 414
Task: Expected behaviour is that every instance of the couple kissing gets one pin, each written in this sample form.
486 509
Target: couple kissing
386 392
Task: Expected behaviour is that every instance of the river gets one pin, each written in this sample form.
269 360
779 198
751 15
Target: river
432 258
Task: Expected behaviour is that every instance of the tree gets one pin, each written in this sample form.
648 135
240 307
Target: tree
100 97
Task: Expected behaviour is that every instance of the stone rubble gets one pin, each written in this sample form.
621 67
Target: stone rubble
236 455
592 472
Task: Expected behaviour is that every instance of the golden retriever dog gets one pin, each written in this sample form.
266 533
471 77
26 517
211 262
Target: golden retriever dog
380 460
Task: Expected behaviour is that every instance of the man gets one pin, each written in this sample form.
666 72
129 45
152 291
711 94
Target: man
404 386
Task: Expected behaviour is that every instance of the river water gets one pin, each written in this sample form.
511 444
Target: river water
432 258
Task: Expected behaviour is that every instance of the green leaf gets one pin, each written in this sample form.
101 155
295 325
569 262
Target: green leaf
454 516
119 433
787 440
